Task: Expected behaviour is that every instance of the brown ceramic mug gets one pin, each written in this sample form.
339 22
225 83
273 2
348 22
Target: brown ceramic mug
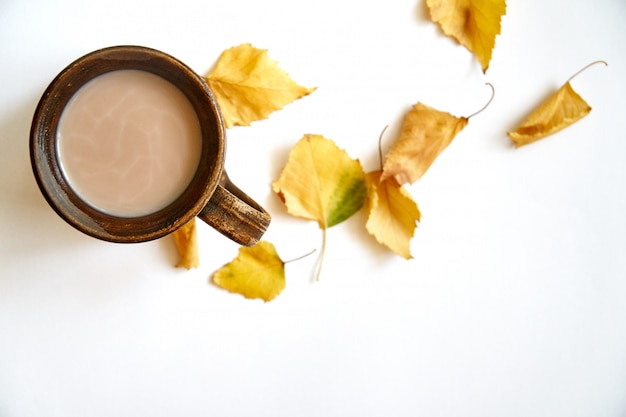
61 165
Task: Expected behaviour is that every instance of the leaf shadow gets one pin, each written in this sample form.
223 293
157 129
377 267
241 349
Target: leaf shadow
533 104
376 252
421 12
278 158
167 249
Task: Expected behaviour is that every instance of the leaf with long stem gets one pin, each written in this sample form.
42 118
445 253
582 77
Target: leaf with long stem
321 182
256 272
426 132
559 111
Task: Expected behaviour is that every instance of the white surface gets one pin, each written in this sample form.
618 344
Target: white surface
513 305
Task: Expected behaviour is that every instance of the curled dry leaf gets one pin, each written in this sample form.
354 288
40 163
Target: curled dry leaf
256 272
249 85
559 111
321 182
425 133
473 23
186 240
392 214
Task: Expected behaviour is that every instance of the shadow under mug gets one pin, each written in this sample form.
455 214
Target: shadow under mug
210 195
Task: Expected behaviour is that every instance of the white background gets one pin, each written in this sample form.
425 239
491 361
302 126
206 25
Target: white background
513 306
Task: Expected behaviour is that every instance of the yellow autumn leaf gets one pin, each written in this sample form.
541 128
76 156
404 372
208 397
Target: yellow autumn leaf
557 112
186 240
392 214
256 272
425 133
249 85
473 23
321 182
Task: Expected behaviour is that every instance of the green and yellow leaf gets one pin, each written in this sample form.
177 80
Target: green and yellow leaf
321 182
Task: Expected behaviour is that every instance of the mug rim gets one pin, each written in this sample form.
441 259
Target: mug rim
56 188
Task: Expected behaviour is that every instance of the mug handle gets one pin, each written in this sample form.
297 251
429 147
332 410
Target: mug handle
234 214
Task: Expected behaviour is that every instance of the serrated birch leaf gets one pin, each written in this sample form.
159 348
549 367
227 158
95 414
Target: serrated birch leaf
560 110
557 112
321 182
392 214
257 273
425 133
248 85
472 23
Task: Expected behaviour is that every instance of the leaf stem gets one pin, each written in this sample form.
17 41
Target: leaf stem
587 66
320 259
493 93
380 146
299 257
